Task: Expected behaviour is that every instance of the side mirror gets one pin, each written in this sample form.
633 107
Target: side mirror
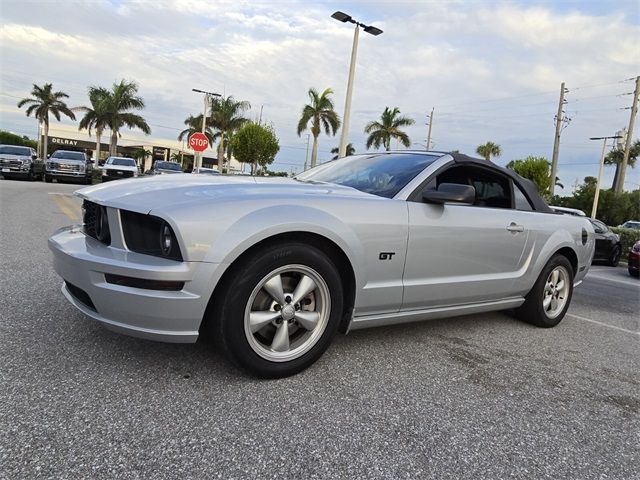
450 193
34 157
48 155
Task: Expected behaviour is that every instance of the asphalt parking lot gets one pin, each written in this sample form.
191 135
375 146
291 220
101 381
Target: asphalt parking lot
473 397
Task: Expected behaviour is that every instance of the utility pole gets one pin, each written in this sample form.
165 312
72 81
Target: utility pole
260 121
429 131
556 142
627 146
306 158
597 195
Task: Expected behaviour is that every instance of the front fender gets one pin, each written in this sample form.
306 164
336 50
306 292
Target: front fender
267 222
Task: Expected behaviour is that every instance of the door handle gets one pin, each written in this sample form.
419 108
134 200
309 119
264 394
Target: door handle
515 228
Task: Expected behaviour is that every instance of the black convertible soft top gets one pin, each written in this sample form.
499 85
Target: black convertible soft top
527 186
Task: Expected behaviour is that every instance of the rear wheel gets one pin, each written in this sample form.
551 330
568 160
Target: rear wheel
548 301
614 258
279 310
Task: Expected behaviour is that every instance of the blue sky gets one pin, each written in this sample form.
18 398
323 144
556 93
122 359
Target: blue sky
492 70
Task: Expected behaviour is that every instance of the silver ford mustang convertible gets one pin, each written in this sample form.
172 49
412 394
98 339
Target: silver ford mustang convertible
271 268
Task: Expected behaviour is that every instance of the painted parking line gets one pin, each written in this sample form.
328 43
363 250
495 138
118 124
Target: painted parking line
630 281
585 319
66 205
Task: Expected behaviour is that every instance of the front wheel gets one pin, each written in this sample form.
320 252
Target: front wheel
279 310
47 178
548 301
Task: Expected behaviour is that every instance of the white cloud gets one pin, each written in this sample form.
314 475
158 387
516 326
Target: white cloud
431 54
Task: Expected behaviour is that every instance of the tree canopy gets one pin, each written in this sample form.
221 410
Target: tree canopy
488 150
255 144
382 131
536 169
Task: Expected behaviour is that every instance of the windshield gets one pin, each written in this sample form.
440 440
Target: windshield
68 155
169 166
382 174
125 162
15 151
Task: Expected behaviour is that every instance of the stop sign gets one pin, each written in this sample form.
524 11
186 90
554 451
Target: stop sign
199 142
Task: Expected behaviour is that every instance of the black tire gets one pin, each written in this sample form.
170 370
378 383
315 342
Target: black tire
532 310
634 273
614 258
225 316
47 178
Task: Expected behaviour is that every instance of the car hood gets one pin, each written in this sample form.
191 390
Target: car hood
145 194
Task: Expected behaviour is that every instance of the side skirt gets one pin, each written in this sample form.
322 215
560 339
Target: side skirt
368 321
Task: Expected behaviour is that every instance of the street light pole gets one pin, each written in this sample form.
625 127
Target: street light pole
344 135
197 159
594 209
344 18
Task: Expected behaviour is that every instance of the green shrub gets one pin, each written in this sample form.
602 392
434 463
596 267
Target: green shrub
628 236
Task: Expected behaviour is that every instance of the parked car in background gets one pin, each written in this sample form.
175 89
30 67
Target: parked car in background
284 263
634 260
568 211
66 165
161 167
209 171
631 224
116 168
17 161
608 245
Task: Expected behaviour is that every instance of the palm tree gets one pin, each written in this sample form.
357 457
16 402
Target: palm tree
489 150
614 157
321 114
381 132
118 102
141 154
43 102
350 150
194 125
226 117
95 116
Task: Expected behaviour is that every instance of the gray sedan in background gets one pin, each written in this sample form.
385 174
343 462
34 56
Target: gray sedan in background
272 268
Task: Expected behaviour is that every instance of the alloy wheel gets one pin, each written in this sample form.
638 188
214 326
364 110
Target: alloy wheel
287 313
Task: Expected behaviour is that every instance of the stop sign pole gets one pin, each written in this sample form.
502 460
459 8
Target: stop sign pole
207 96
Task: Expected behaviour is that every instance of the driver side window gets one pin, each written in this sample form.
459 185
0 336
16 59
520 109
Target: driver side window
492 190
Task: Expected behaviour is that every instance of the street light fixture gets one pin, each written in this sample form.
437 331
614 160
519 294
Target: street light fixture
375 31
597 194
207 95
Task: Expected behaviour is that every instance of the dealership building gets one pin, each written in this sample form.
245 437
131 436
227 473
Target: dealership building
68 137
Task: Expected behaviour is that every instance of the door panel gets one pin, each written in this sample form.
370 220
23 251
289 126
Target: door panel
461 254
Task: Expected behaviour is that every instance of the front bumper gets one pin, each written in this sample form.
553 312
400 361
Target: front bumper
67 173
169 316
13 170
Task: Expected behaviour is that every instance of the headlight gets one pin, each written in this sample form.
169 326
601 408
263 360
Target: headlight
636 247
149 235
26 161
166 239
82 167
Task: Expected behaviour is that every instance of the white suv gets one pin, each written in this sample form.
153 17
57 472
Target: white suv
119 167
